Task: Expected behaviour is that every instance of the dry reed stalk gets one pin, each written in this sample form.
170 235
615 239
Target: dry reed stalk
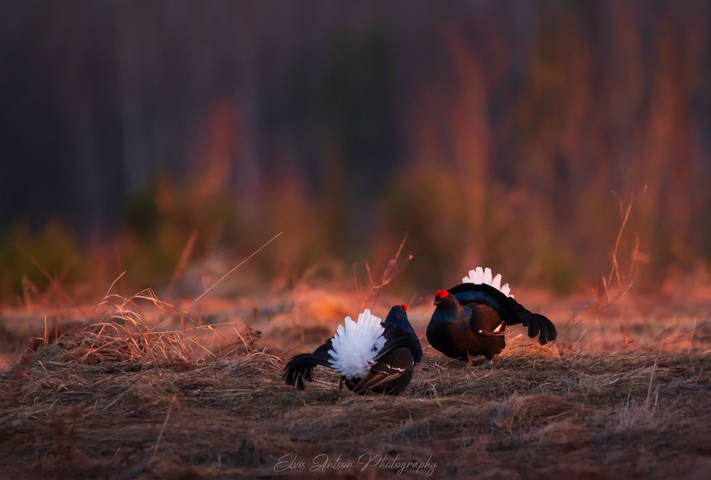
636 257
54 282
183 260
392 269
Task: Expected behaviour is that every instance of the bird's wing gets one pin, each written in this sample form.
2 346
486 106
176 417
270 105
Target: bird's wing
510 311
397 364
485 321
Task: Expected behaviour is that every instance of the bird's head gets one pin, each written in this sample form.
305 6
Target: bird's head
441 296
397 317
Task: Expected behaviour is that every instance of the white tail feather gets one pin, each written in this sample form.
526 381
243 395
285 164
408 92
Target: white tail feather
481 275
355 347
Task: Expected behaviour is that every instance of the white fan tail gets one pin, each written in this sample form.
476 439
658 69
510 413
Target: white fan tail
355 346
480 276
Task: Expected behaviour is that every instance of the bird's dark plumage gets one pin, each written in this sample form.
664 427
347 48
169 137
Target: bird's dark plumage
392 367
470 319
390 375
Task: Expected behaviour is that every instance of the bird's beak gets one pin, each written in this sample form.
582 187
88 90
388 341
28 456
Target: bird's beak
437 301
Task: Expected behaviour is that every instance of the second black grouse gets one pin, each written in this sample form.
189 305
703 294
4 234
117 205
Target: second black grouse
470 319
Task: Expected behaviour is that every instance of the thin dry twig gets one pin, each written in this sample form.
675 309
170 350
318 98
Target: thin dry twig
264 245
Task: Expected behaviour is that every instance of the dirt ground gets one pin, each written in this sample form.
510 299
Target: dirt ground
138 391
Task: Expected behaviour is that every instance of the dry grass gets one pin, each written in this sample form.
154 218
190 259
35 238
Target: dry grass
623 393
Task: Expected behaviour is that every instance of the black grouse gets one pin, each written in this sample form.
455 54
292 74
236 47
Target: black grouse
470 319
370 356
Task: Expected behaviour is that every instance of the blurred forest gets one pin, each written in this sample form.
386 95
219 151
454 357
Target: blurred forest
509 133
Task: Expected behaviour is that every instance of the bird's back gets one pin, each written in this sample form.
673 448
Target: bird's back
469 294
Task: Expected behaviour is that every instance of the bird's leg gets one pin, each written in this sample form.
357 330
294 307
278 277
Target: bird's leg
489 362
340 384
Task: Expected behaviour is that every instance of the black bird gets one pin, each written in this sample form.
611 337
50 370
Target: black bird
370 356
471 318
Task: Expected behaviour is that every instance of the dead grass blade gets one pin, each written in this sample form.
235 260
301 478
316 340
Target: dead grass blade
162 428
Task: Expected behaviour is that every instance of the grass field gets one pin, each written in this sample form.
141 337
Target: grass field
135 388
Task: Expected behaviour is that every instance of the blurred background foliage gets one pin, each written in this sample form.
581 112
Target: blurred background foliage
512 134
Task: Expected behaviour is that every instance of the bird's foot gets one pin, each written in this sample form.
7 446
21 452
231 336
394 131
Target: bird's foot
489 363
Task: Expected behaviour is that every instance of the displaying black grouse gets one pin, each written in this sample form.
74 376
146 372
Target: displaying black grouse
471 318
370 356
